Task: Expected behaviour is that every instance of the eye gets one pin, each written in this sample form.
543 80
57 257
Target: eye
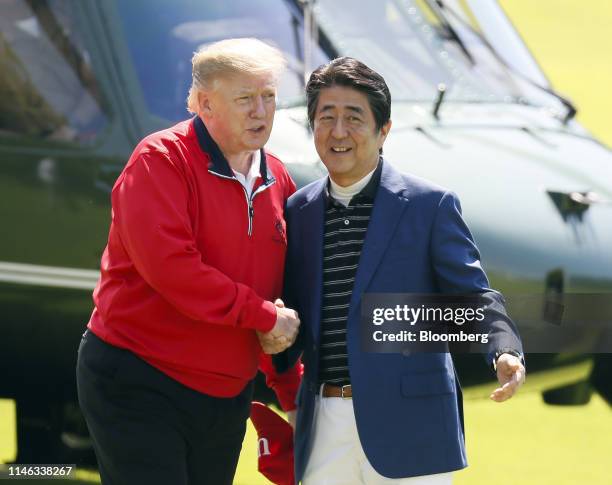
354 119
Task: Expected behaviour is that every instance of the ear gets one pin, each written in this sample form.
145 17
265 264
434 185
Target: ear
204 104
384 131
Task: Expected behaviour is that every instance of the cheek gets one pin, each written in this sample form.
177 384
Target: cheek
320 144
319 140
239 119
366 143
320 134
235 125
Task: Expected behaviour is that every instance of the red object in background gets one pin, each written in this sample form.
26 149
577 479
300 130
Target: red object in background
274 445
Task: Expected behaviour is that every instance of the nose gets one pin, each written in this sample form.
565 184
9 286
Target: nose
259 108
339 130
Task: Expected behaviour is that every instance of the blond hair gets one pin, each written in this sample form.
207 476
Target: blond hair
231 56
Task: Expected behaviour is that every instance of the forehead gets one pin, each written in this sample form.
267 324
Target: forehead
245 81
342 97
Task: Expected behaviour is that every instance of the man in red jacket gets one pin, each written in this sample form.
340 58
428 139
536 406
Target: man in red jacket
184 307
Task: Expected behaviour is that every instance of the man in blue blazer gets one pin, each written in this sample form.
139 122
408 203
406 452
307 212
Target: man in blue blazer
364 417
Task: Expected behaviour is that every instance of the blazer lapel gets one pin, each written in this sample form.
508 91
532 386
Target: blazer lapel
312 219
389 205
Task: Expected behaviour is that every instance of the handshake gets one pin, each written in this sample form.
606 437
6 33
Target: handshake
284 332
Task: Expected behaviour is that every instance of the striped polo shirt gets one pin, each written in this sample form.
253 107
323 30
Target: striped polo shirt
345 230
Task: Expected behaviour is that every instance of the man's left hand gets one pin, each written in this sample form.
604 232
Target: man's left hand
510 374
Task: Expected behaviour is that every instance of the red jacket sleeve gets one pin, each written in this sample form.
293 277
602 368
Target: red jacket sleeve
150 211
285 385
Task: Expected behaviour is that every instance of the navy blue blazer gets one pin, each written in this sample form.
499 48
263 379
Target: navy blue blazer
408 408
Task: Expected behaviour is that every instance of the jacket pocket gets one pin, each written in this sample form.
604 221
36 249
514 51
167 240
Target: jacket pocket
427 384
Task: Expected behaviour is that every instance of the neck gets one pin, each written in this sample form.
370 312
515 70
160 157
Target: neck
240 162
344 181
353 187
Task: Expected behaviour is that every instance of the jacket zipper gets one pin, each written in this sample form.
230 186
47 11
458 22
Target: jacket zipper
249 201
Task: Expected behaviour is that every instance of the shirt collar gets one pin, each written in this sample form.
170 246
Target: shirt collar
367 194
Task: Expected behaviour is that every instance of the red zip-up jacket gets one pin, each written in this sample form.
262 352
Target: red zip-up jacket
192 263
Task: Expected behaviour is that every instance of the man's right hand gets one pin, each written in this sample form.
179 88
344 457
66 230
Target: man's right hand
284 332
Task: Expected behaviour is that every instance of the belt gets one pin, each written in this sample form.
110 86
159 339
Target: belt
345 392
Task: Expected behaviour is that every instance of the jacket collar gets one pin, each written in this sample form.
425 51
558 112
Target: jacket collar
218 164
387 178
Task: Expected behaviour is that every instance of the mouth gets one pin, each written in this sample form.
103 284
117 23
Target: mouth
257 130
340 149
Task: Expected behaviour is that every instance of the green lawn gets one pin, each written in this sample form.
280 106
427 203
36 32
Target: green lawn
7 431
526 441
521 441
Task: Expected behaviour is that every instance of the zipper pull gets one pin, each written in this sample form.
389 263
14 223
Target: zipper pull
251 211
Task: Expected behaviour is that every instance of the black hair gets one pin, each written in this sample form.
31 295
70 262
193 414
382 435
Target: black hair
349 72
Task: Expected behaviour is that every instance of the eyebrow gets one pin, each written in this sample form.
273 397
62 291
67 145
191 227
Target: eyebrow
329 107
247 91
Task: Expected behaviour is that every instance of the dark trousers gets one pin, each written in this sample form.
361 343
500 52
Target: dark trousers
149 429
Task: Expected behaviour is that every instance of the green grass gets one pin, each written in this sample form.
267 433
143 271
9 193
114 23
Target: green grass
526 441
8 433
521 441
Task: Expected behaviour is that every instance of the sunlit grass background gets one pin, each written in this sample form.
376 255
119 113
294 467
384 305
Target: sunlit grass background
522 441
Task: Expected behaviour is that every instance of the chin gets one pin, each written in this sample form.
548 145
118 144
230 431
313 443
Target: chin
340 164
257 141
254 145
337 169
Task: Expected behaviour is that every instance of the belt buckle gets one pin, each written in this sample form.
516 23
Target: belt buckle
342 391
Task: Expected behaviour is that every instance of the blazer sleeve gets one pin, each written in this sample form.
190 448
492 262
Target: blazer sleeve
458 269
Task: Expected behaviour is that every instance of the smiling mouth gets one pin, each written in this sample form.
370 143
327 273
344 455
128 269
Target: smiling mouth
340 149
257 130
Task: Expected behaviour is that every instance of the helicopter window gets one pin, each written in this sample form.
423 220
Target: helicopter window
162 36
47 88
414 46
